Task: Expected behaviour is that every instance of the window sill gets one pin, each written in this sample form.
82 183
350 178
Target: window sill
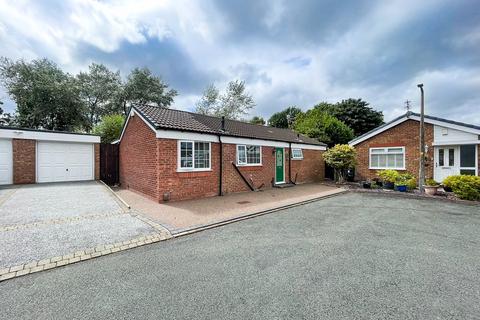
193 170
370 168
296 159
249 165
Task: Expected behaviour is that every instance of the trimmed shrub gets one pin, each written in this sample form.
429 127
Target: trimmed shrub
465 187
388 175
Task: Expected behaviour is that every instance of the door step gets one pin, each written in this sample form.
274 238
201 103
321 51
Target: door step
283 185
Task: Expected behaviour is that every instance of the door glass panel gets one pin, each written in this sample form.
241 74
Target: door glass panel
441 157
451 157
467 156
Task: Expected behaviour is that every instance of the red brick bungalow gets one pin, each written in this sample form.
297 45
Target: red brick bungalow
169 154
452 148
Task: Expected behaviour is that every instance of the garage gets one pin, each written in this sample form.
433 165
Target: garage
39 156
6 168
59 161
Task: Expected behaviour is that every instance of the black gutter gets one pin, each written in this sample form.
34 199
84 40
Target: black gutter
220 179
290 162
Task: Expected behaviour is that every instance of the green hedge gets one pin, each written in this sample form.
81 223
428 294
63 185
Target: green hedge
465 187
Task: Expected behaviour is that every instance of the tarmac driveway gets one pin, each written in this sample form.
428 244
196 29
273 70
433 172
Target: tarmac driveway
43 221
352 256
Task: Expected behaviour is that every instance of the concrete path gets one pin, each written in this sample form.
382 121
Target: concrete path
353 256
183 215
54 224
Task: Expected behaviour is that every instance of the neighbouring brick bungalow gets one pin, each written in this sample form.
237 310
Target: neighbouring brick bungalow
452 148
169 154
36 156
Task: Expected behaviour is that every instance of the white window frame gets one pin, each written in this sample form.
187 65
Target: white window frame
385 152
293 157
179 153
245 164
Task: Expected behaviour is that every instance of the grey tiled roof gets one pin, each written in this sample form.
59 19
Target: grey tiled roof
163 118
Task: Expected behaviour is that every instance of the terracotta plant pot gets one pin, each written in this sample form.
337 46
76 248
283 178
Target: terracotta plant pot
430 190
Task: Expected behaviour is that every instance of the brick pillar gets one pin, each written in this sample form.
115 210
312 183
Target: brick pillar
97 160
24 152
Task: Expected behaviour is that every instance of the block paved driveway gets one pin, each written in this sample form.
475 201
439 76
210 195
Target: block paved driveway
49 220
353 256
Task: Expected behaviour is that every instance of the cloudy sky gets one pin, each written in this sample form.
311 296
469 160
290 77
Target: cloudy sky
288 52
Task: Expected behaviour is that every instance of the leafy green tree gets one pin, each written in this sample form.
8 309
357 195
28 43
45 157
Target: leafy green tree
109 128
143 87
284 118
46 97
233 104
340 157
357 114
257 120
98 89
324 127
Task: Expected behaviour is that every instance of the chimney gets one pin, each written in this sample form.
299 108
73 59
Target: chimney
223 124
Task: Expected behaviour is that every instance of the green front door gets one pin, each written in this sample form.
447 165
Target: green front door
279 165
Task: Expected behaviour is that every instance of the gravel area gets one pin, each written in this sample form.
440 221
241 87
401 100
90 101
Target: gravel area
353 256
40 202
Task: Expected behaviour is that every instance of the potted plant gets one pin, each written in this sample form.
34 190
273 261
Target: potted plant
405 181
431 186
366 184
389 178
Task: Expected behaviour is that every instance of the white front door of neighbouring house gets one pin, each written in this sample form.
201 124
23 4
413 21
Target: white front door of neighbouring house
59 161
447 162
6 161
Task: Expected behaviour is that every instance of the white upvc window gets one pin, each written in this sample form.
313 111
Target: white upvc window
297 154
387 158
194 156
249 155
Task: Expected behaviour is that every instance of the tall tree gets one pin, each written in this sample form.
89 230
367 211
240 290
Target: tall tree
232 104
98 89
257 120
284 118
142 87
46 97
357 114
324 127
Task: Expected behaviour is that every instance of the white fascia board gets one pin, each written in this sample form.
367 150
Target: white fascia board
377 131
308 146
453 143
47 136
132 114
254 142
186 135
447 125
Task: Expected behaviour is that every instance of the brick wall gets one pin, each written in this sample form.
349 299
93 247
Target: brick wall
405 135
310 169
23 161
138 158
96 147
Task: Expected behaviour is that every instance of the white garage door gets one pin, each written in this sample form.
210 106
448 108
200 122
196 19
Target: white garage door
6 160
60 161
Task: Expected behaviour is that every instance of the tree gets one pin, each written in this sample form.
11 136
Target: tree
324 127
143 87
341 157
356 114
285 118
257 120
98 89
46 97
109 128
232 104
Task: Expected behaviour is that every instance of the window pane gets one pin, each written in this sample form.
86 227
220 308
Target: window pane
467 172
186 159
441 157
395 150
374 163
297 153
202 155
399 160
378 150
451 157
467 156
253 155
241 155
391 161
382 161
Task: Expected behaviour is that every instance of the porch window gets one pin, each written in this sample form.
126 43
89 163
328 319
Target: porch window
387 158
297 154
248 155
194 155
468 159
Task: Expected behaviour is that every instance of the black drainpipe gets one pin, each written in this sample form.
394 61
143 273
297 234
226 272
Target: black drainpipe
220 178
290 162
